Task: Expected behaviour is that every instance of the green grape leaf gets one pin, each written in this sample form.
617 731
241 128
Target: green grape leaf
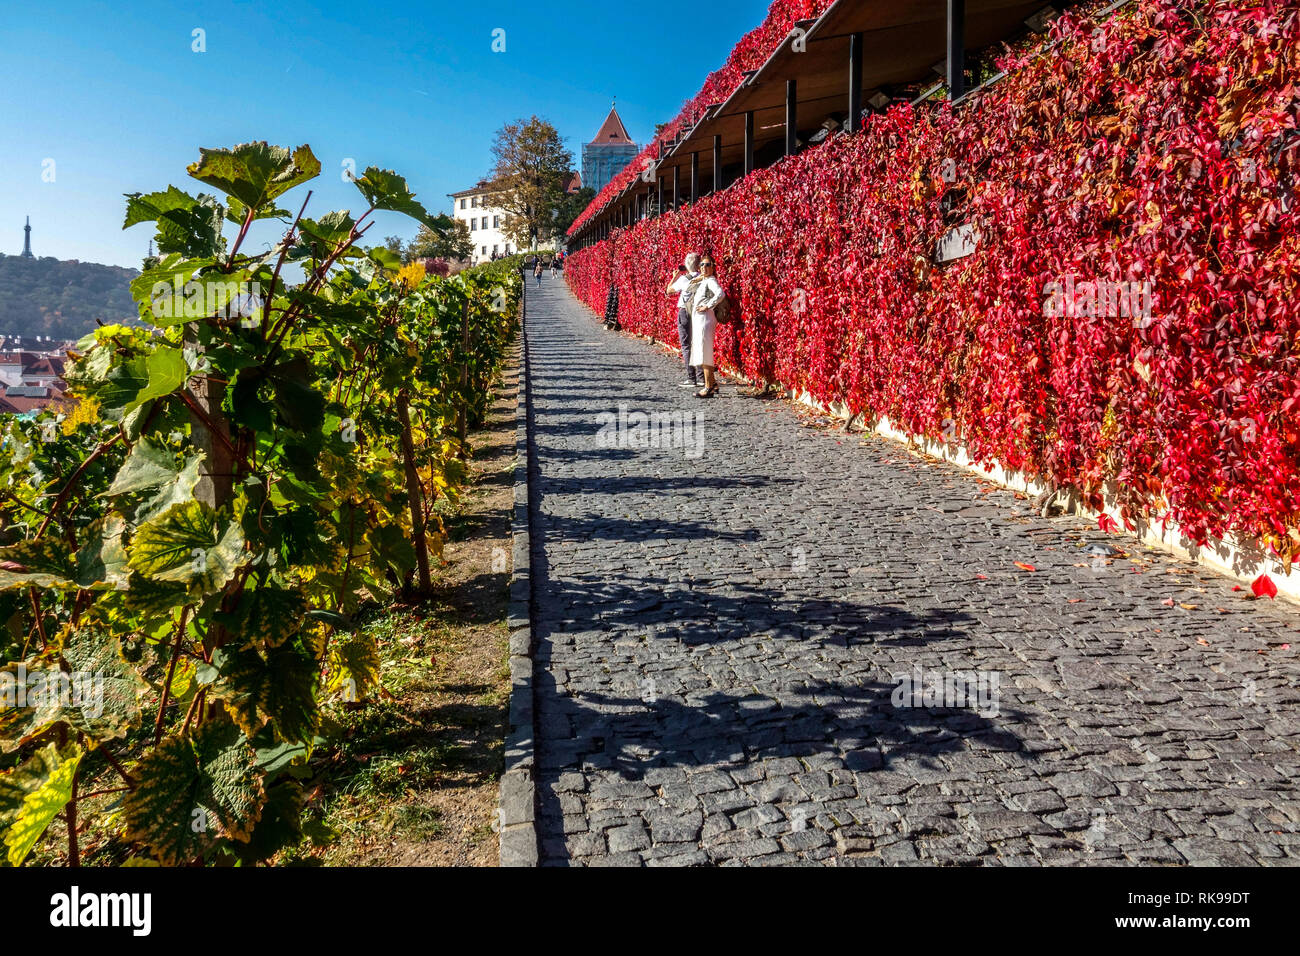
187 225
266 617
41 563
165 372
166 278
101 560
194 791
353 665
384 189
152 601
276 686
237 212
330 229
152 467
186 544
33 794
255 173
300 406
98 693
111 703
386 258
391 547
280 825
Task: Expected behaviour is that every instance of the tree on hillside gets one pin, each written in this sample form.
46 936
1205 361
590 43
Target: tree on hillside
528 181
453 245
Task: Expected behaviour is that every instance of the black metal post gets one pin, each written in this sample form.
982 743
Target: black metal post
749 142
677 188
956 48
695 176
855 83
791 117
717 163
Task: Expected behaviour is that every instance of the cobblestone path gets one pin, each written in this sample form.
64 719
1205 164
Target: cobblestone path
721 629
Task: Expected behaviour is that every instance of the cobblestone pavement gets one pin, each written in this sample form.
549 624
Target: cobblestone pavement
718 634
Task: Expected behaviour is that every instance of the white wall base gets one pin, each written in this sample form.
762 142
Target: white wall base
1240 558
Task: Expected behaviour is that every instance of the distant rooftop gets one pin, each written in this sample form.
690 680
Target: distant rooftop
612 132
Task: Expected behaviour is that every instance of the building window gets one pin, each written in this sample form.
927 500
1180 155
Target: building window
496 222
494 248
462 204
485 250
473 201
473 225
485 225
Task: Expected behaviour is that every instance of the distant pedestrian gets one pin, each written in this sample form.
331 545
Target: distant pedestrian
704 323
681 287
537 272
611 307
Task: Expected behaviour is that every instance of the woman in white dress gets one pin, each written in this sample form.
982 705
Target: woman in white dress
703 324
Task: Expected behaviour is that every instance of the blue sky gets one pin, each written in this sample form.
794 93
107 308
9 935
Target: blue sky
114 95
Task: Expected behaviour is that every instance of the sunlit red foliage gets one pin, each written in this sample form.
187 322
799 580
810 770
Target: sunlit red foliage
1159 149
749 54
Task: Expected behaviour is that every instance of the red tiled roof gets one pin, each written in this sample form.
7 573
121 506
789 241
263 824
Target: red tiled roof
612 132
6 408
44 366
21 403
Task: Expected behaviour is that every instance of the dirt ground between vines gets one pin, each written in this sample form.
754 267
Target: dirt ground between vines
418 772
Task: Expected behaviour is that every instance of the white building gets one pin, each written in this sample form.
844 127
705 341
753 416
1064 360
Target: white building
474 208
484 221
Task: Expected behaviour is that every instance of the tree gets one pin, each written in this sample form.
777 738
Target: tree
453 245
395 245
571 207
528 181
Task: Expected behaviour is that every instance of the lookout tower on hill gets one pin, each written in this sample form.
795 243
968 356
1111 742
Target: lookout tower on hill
27 240
606 155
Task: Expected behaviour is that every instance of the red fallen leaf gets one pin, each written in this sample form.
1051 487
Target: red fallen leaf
1025 567
1236 587
1286 647
1106 523
1168 602
1075 600
1263 585
982 577
1202 641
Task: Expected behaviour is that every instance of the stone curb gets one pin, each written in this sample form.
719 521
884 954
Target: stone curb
516 816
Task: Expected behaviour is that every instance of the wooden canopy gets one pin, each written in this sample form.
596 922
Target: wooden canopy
820 71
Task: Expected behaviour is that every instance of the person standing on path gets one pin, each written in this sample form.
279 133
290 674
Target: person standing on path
703 324
681 287
537 272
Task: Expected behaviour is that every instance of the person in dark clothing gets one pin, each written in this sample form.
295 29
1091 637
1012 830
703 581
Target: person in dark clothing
611 308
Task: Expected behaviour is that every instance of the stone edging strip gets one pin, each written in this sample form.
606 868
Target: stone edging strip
516 813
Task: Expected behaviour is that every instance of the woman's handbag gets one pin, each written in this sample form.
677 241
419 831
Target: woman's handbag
723 312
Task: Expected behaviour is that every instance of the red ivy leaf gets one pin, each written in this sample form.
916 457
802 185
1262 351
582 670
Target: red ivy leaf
1263 585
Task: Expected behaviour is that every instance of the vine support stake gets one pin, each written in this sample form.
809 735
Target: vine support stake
413 493
216 481
463 414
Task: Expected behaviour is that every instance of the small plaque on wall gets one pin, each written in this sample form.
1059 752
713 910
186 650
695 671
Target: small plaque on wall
957 243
